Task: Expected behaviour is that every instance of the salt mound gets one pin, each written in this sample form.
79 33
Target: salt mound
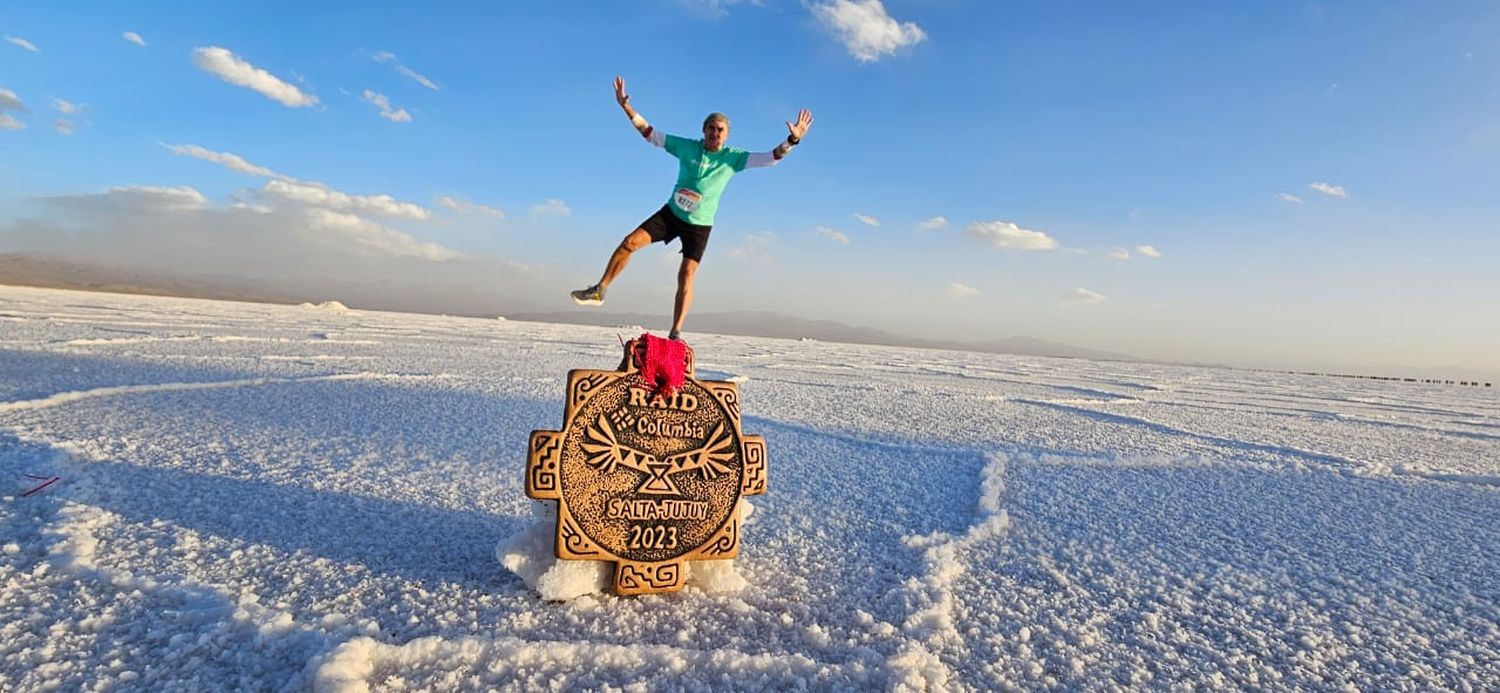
333 306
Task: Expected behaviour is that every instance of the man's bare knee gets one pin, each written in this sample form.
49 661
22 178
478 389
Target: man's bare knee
636 240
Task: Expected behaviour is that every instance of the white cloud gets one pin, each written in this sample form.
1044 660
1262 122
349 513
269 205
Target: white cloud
865 29
63 127
384 104
756 247
231 161
252 207
385 240
319 195
834 235
175 229
135 38
866 219
309 193
1118 254
933 223
419 78
10 102
1082 295
1005 234
1148 250
235 70
23 43
466 207
136 199
1288 197
65 107
1328 189
551 207
957 290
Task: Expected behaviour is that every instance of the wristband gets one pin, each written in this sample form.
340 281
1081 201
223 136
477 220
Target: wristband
793 140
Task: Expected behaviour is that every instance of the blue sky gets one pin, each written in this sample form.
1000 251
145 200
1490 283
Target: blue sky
1264 184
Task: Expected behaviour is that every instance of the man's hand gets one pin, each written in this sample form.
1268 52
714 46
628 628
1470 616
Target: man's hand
620 96
799 129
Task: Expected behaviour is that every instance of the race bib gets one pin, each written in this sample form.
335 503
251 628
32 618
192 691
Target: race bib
687 200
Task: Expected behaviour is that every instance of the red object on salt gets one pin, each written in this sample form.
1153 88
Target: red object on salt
663 363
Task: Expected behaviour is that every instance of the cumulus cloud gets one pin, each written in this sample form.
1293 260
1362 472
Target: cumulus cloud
385 240
279 250
1328 189
1288 197
231 68
176 229
1148 250
135 199
757 247
23 43
287 188
63 127
866 29
65 107
135 38
10 102
466 207
1118 254
234 162
866 219
380 101
252 207
550 207
320 195
1005 234
183 207
419 78
957 290
1082 295
932 223
834 235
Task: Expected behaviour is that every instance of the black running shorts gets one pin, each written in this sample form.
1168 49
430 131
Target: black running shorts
664 226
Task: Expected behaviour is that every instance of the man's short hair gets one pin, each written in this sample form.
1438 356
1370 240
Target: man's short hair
716 116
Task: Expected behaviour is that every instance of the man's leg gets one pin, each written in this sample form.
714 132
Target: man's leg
633 241
684 292
594 295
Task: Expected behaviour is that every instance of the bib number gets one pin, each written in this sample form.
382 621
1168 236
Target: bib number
687 200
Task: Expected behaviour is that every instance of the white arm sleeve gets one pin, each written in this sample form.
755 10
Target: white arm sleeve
761 160
657 137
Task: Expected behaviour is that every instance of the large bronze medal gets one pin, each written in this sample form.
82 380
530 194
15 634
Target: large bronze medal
646 482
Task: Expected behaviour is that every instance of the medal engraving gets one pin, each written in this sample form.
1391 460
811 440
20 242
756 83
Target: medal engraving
647 482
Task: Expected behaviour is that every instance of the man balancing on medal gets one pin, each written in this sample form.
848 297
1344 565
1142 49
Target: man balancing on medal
704 168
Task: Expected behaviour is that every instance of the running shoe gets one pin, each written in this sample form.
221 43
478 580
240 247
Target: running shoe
591 296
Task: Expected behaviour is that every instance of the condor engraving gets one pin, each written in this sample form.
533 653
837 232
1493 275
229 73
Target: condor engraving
646 481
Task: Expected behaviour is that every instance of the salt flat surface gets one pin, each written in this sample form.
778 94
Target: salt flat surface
292 497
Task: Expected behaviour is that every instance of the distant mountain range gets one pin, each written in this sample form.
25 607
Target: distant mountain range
768 324
29 269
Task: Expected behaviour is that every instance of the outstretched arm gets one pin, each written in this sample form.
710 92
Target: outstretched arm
795 132
641 126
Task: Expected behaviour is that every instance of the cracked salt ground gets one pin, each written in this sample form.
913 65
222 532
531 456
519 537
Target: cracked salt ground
327 517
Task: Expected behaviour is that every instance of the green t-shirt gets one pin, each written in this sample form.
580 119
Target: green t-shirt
701 177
